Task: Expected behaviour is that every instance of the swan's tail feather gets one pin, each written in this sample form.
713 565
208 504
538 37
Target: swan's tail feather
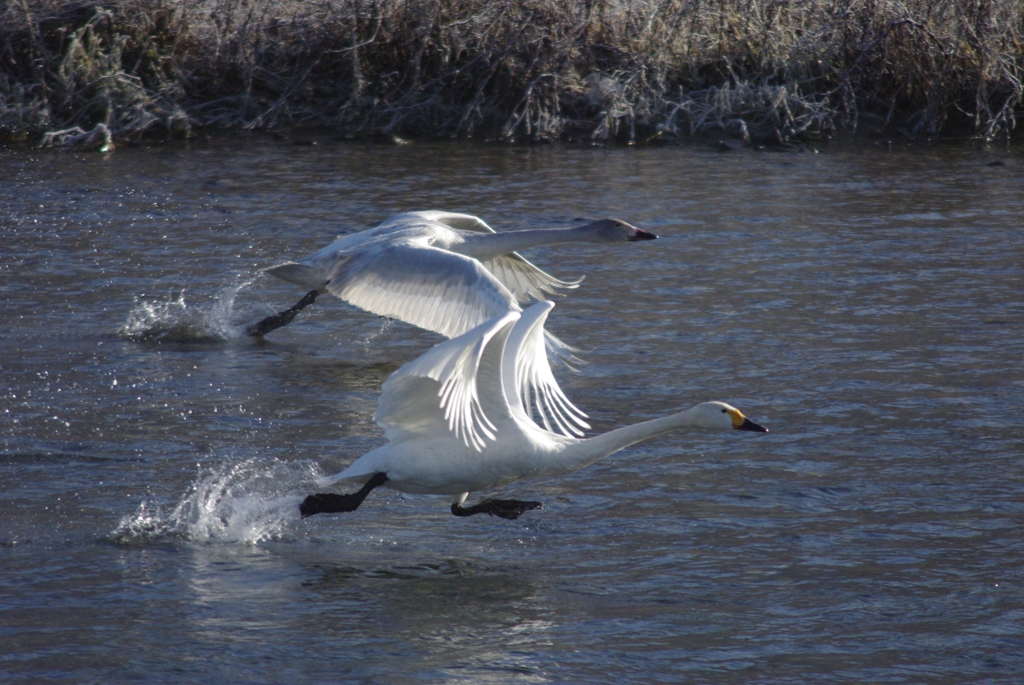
308 277
359 474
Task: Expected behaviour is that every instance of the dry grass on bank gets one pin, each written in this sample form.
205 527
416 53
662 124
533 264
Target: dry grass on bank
88 72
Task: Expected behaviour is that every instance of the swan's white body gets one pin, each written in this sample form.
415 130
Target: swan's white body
455 422
449 273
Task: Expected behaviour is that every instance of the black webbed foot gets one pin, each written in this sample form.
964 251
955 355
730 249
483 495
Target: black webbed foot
284 318
503 508
331 503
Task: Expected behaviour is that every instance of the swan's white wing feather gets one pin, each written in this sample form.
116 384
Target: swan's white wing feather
428 287
449 294
527 372
437 392
460 222
524 280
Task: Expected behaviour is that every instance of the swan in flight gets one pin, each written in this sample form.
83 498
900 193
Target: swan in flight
441 271
455 423
448 273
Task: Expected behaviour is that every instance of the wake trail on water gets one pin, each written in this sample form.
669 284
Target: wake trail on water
173 320
248 502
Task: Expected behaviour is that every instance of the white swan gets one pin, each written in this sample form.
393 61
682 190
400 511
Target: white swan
455 424
442 271
447 273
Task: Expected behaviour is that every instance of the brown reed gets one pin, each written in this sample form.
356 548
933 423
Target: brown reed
87 72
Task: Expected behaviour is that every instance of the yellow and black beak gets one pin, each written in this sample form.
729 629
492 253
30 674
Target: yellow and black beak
742 423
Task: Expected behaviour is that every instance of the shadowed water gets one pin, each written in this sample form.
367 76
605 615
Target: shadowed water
865 303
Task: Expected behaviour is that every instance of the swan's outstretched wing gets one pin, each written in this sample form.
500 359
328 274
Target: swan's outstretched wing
460 222
526 372
437 392
524 280
475 383
428 287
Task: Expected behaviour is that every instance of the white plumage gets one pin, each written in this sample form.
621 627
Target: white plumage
455 423
442 271
448 273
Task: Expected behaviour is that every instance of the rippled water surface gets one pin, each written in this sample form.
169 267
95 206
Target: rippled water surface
866 304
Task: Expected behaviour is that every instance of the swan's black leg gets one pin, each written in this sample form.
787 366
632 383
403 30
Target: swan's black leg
329 503
505 508
281 318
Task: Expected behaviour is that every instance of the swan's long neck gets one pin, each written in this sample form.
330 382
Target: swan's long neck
486 246
585 452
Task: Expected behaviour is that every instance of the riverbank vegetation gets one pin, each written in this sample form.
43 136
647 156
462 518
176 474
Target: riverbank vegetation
92 73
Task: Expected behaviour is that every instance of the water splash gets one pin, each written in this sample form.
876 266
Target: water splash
172 320
385 326
247 502
370 341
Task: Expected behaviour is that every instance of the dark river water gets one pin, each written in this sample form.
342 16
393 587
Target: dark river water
864 303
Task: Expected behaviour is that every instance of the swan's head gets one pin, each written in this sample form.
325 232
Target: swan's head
614 231
719 415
